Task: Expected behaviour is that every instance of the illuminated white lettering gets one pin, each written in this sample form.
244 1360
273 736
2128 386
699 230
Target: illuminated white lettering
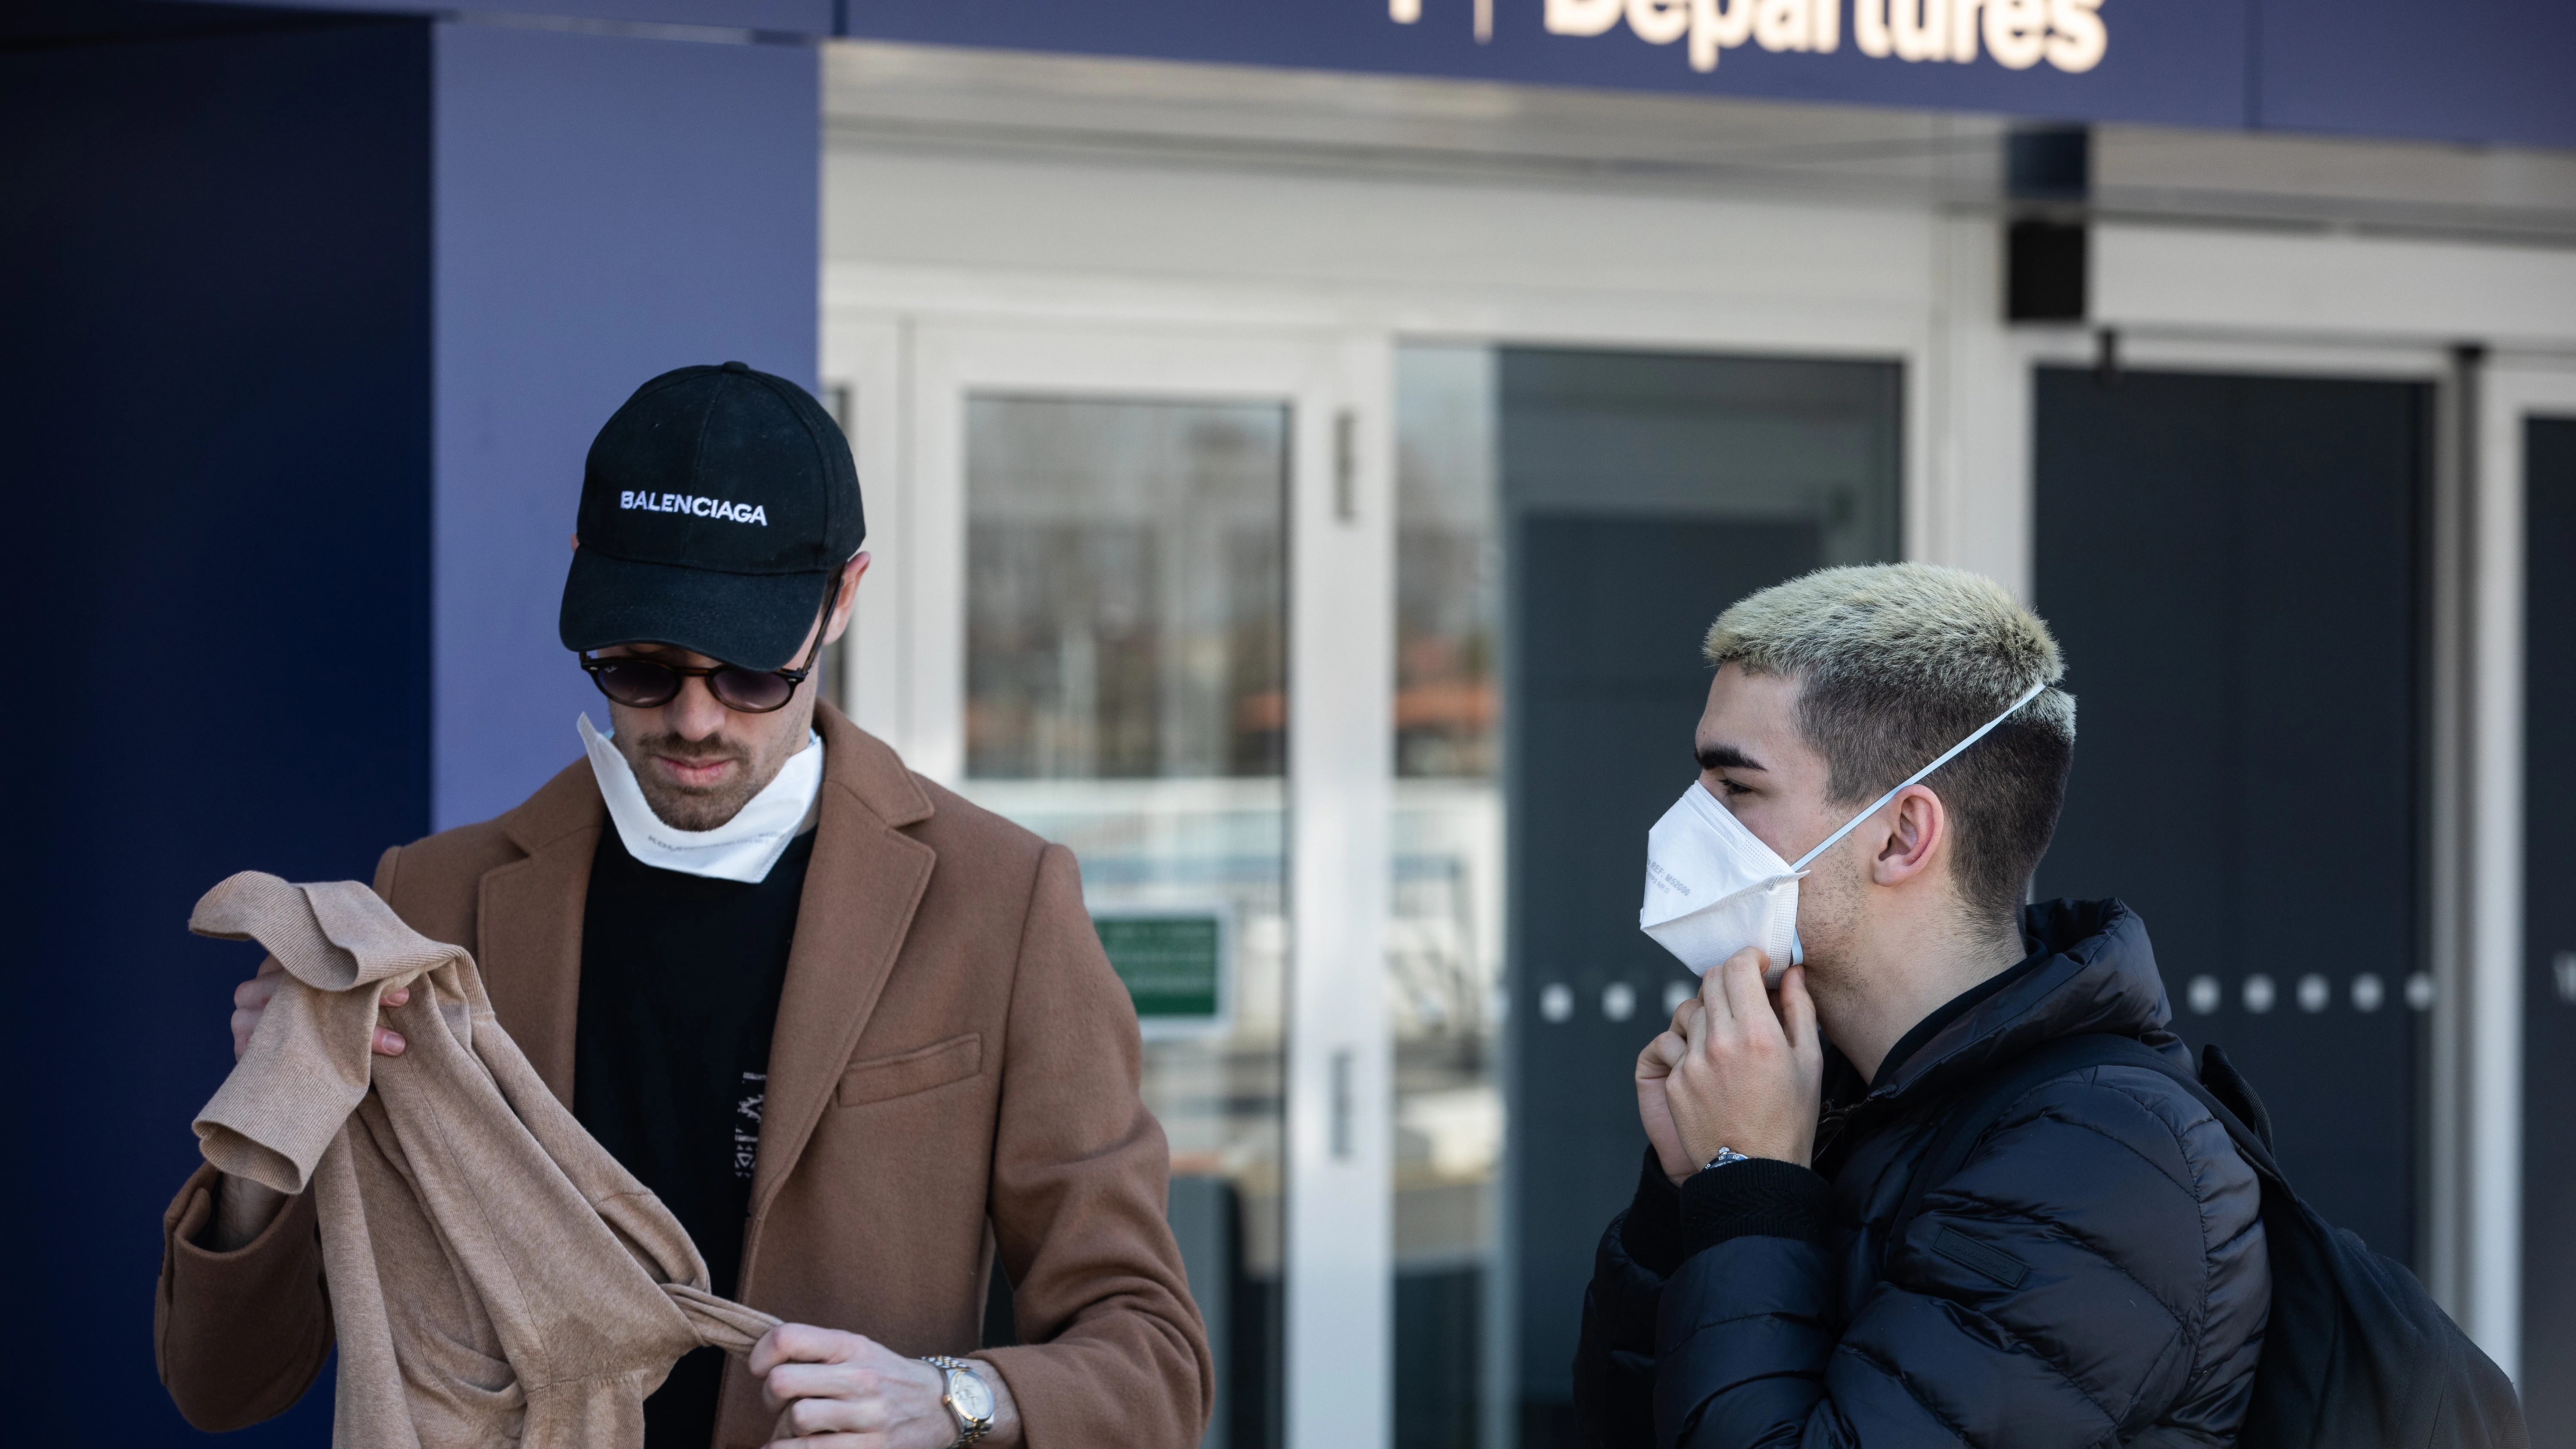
1659 22
2078 39
2019 34
1714 26
1782 24
1963 30
1922 28
1583 17
1869 28
2016 32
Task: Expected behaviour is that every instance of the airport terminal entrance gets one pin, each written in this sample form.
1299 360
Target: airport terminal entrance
2236 568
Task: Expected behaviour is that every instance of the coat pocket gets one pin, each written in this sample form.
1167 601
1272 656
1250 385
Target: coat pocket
880 1079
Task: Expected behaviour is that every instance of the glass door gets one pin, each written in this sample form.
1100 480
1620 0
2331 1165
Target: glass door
1126 695
1144 574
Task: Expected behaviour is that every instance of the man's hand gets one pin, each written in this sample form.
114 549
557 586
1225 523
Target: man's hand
1734 1072
1654 1102
252 997
839 1390
243 1208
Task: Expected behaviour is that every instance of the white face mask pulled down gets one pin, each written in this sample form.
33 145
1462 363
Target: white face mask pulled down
1713 888
743 848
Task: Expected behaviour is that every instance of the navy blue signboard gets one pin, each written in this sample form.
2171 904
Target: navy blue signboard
2180 61
2462 70
2490 70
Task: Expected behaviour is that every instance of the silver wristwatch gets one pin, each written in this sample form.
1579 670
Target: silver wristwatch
1724 1156
969 1401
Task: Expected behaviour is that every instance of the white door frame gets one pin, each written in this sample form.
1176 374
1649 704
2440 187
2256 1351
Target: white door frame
2510 389
907 678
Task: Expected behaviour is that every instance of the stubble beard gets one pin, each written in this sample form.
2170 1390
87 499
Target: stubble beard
683 808
1827 902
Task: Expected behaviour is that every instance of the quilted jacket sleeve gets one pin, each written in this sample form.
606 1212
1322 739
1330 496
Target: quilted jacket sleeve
2093 1273
1614 1360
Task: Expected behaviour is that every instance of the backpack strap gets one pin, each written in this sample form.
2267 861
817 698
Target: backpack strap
1975 1108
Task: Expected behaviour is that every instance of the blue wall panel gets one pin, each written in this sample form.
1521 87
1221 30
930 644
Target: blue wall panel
310 329
216 391
2464 70
609 208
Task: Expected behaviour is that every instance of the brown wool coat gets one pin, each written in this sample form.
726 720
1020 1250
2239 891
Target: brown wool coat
953 1079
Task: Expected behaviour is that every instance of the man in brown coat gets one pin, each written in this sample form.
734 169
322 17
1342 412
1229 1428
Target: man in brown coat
857 1033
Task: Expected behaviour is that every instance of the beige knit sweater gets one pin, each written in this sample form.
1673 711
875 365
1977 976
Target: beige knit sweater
495 1276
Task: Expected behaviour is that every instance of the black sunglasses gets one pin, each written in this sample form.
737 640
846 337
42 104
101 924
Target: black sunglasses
647 683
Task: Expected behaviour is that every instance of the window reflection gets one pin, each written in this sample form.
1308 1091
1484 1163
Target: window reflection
1126 632
1444 936
1126 589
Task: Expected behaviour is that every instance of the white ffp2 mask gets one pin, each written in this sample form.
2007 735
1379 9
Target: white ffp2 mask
1713 888
742 849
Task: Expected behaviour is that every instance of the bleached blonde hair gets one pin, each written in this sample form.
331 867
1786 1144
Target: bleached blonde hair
1896 663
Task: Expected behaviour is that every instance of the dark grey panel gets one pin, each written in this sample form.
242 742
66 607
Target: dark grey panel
2548 1376
2233 565
1644 494
1611 686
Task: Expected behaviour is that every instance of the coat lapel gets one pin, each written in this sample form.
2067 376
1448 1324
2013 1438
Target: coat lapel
865 879
528 916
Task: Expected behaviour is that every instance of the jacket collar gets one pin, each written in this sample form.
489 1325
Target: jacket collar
2091 970
859 893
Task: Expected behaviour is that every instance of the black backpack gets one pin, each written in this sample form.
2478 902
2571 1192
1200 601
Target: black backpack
2356 1355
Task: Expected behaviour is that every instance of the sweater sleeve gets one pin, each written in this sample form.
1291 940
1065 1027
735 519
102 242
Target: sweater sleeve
2050 1293
238 1336
1113 1350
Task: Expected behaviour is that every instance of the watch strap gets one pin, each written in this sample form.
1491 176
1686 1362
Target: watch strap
968 1430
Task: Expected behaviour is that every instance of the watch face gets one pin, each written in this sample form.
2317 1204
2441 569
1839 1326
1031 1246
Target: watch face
967 1389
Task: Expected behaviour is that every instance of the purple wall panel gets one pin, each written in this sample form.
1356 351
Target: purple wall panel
607 208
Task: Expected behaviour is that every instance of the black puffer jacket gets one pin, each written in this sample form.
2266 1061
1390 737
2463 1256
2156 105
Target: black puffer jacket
2093 1275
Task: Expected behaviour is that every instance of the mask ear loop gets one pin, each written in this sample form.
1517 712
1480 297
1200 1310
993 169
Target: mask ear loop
1798 947
1919 776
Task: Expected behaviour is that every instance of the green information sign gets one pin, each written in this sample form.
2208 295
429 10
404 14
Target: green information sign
1172 963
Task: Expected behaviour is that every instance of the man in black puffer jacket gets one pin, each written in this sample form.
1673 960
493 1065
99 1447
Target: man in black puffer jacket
2095 1271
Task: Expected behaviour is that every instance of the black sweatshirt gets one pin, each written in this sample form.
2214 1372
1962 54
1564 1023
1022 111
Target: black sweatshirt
680 979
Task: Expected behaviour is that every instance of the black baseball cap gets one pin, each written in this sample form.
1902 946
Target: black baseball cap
717 507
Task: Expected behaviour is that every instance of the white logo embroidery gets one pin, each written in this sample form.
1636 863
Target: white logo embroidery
700 507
